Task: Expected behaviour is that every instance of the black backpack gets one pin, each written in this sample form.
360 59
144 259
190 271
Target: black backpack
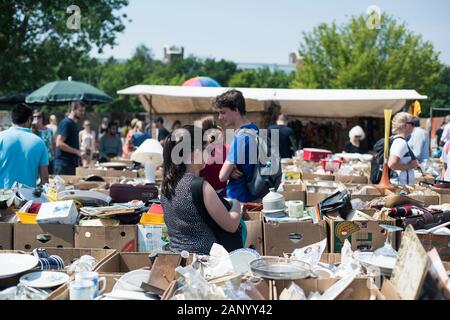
376 169
266 175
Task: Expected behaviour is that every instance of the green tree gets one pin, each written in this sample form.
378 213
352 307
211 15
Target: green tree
115 76
261 78
439 96
354 56
37 46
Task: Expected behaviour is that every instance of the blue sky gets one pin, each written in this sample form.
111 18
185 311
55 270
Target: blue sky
261 31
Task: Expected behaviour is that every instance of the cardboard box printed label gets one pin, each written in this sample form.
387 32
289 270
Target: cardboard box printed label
363 235
152 238
122 238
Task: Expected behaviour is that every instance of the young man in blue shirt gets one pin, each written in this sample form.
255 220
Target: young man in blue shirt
23 155
241 159
67 141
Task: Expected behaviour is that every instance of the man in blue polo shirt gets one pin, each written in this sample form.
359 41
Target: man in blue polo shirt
67 141
23 155
239 165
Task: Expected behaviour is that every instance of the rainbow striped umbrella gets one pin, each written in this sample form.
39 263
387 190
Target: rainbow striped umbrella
201 82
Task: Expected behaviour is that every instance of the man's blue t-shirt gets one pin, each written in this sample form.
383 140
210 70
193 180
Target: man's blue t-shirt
68 129
242 147
139 138
21 155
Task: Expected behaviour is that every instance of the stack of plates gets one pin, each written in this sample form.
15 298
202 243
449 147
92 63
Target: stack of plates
12 264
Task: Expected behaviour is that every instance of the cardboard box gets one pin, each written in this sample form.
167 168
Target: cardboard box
428 200
294 191
152 238
331 258
362 288
365 197
315 189
440 242
444 195
363 235
388 291
263 286
313 176
63 292
70 255
352 179
255 238
285 237
123 238
123 262
313 198
6 236
60 236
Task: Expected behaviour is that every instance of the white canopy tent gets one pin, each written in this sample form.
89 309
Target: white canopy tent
335 103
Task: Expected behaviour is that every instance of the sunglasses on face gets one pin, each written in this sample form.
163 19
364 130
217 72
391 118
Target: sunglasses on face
37 117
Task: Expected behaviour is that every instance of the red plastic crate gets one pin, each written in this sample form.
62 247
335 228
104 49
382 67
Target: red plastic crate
312 154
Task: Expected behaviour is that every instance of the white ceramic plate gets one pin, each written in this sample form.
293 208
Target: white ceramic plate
241 258
132 280
44 279
15 263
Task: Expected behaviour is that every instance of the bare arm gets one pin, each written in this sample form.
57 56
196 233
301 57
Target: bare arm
43 174
394 164
228 221
229 170
64 146
226 171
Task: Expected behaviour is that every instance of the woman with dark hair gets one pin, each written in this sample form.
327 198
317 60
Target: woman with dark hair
39 128
195 215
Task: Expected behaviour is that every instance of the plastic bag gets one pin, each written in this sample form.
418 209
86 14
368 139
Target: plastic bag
293 292
85 263
192 286
349 265
311 254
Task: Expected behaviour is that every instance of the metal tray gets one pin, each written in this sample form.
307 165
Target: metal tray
277 268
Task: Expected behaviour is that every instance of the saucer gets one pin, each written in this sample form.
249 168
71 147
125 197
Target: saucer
44 279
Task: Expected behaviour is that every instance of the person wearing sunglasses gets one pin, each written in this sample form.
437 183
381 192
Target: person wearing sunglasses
402 160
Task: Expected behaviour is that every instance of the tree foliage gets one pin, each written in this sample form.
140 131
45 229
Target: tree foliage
439 95
353 56
262 78
36 45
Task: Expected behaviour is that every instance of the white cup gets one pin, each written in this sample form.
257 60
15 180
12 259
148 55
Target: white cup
95 278
295 209
82 290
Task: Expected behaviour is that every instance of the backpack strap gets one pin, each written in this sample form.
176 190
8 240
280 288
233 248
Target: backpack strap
197 195
410 153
